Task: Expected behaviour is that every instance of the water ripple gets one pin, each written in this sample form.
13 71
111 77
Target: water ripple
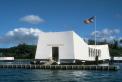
23 75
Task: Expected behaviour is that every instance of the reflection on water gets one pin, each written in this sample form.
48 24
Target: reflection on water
17 75
36 75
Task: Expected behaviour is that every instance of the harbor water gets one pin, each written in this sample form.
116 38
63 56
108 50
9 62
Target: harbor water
39 75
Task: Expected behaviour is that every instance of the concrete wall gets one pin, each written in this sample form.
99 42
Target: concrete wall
104 51
71 47
63 40
80 48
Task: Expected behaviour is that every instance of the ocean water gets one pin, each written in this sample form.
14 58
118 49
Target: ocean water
38 75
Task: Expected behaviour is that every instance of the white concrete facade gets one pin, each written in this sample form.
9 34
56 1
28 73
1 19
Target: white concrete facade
70 47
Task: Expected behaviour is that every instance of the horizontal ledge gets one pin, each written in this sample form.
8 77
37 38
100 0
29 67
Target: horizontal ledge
62 67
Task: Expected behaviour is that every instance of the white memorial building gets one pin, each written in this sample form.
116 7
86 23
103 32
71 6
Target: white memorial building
68 47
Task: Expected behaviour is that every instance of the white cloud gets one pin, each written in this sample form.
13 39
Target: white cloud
33 19
106 34
21 35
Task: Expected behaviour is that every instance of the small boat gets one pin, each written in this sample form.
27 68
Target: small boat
6 58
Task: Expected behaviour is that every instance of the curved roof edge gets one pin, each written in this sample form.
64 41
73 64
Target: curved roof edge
60 32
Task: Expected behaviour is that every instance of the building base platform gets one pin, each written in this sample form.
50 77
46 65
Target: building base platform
62 67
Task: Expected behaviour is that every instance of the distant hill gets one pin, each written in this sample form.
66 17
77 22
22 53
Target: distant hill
24 51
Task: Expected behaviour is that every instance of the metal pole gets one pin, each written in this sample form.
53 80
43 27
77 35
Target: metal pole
96 58
95 28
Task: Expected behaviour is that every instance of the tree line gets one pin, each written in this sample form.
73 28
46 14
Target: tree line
25 51
21 51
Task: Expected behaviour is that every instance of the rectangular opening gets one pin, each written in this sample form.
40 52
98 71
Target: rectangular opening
55 53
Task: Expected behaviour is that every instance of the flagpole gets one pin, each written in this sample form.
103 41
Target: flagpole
95 29
97 57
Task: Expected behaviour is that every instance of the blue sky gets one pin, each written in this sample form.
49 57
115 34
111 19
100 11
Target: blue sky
58 15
